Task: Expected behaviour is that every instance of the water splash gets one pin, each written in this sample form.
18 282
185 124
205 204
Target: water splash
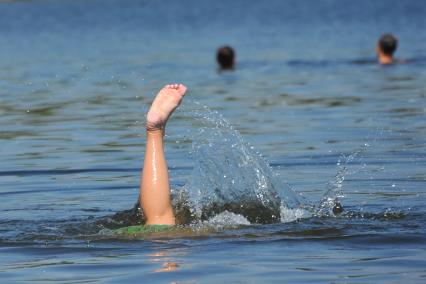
329 204
225 220
229 175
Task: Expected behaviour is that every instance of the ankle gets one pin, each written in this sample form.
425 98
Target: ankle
154 131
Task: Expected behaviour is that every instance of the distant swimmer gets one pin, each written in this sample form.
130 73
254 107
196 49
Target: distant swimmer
386 46
226 58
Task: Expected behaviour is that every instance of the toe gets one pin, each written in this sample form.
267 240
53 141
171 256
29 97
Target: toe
182 89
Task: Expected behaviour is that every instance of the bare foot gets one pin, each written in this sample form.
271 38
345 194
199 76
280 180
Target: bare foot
166 101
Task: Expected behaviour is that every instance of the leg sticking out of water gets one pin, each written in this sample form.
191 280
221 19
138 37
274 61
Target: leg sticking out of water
155 187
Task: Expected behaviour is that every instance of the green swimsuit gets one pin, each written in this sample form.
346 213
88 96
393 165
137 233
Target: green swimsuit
142 229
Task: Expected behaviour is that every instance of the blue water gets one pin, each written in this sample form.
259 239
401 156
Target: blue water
308 110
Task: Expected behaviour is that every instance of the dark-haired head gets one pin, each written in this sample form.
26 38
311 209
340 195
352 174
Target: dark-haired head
388 44
226 57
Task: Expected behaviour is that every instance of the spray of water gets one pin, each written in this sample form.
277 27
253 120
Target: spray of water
229 175
330 204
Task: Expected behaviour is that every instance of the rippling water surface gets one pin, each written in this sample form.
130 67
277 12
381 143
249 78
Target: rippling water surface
305 120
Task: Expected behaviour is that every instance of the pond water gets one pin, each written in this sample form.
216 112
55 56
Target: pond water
306 119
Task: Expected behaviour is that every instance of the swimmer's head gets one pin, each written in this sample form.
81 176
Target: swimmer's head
226 57
388 44
386 47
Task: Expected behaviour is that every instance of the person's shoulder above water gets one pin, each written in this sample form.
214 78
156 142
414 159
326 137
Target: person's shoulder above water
225 57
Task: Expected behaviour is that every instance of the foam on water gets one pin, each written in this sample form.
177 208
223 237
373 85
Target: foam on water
226 219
